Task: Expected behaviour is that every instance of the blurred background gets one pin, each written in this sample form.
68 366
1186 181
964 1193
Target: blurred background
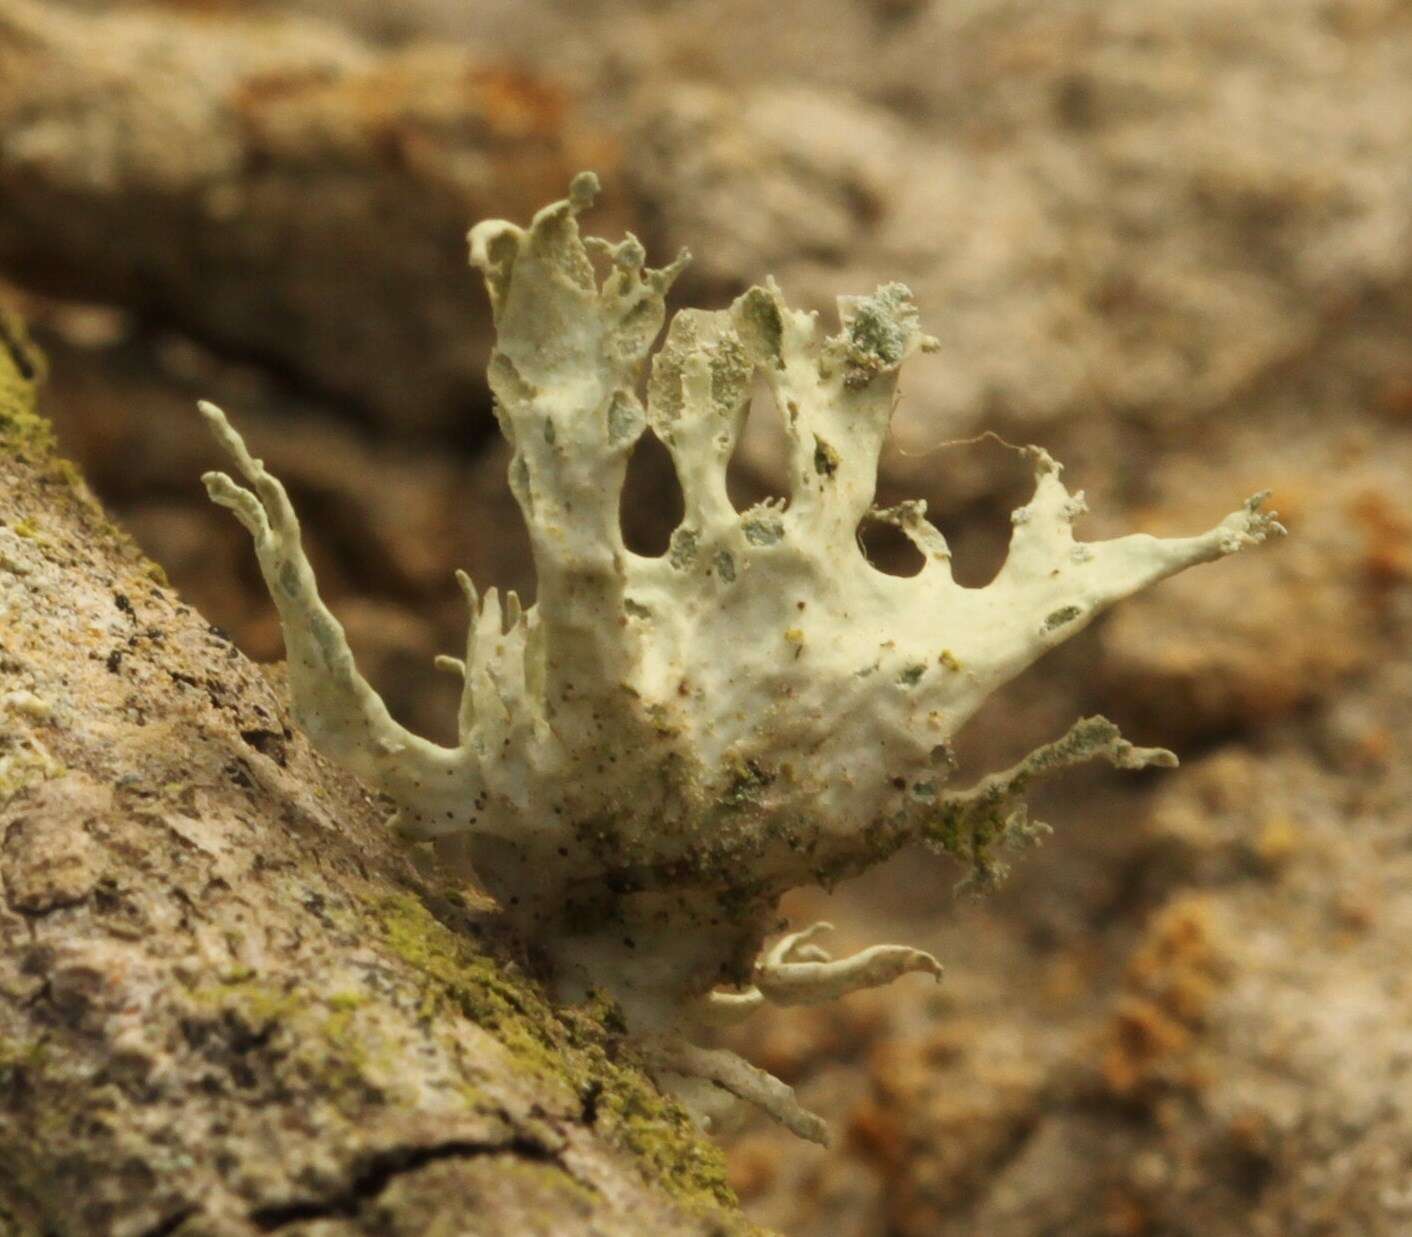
1171 242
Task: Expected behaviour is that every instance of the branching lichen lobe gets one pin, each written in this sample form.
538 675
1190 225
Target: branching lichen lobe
660 747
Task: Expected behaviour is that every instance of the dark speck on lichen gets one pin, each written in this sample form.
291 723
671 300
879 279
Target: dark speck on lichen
1066 614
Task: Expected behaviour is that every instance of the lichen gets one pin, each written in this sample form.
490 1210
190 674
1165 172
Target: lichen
654 752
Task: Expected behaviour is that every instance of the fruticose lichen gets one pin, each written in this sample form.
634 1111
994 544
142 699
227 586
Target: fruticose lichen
651 755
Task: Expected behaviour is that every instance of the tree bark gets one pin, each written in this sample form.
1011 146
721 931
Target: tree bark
230 1003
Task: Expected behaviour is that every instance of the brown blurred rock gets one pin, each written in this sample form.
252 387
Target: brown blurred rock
1226 651
1123 224
757 183
277 188
942 1115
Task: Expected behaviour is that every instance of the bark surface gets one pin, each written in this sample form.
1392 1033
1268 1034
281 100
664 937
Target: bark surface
229 1003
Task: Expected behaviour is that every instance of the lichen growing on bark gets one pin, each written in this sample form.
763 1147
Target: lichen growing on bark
660 747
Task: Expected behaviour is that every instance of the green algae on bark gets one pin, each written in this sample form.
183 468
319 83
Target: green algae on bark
575 1047
22 370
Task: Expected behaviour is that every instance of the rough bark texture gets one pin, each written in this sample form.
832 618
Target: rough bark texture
228 1003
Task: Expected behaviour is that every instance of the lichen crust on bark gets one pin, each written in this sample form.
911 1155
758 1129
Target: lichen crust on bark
656 750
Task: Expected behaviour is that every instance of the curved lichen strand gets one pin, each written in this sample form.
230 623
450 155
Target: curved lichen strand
332 701
797 972
974 825
678 1062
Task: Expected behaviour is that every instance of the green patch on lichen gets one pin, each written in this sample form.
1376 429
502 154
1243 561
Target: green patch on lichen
625 419
730 373
760 324
747 783
875 340
763 529
682 552
576 1047
1065 614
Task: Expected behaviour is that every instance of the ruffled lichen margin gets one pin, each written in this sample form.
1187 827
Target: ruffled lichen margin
659 748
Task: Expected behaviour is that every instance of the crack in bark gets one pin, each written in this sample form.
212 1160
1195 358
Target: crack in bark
378 1171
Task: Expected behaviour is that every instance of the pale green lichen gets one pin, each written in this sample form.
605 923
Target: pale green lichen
654 752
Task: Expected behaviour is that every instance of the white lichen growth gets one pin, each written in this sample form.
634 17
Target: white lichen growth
660 747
